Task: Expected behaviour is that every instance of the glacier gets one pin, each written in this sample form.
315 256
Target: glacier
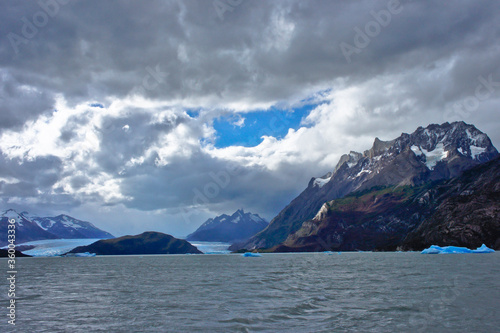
55 247
82 254
434 249
212 247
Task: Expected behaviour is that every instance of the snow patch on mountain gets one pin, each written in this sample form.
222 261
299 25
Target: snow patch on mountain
320 182
70 223
362 172
256 218
45 226
476 151
416 150
12 214
434 156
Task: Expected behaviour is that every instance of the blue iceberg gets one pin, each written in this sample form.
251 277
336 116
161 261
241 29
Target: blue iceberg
434 249
483 249
251 254
330 252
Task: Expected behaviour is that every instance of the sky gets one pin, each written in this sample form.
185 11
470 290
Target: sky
158 115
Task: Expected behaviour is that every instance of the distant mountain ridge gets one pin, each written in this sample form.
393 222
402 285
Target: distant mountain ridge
224 228
428 154
31 228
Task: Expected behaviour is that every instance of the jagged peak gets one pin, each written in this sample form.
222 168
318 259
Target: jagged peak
378 148
351 159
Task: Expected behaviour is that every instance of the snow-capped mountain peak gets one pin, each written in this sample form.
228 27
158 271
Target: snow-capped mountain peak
32 227
428 154
434 147
225 228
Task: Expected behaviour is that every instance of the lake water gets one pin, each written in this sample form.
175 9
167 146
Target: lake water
348 292
57 247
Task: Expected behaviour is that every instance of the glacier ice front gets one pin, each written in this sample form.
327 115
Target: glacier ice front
434 249
55 247
81 254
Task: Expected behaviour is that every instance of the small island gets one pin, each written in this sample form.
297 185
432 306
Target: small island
146 243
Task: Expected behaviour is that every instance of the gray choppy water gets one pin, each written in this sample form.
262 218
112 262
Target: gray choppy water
358 292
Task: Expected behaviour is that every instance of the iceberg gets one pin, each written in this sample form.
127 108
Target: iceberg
330 252
83 254
434 249
483 249
251 254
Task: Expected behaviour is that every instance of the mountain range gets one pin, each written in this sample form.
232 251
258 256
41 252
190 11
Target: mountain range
392 174
224 228
32 228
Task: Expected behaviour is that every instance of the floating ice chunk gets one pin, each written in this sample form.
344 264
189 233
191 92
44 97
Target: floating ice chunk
251 254
483 249
455 249
434 249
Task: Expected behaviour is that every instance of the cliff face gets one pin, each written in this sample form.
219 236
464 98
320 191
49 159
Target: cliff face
468 215
463 211
434 153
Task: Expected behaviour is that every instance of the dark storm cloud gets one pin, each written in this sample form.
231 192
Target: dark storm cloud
263 51
28 176
205 181
20 102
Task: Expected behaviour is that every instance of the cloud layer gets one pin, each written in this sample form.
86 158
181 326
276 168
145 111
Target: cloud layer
96 98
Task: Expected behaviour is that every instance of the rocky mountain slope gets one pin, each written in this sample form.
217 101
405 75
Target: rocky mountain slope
31 228
429 154
224 228
145 243
468 214
463 211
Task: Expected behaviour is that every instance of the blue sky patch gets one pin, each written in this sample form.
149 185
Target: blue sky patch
246 129
193 113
